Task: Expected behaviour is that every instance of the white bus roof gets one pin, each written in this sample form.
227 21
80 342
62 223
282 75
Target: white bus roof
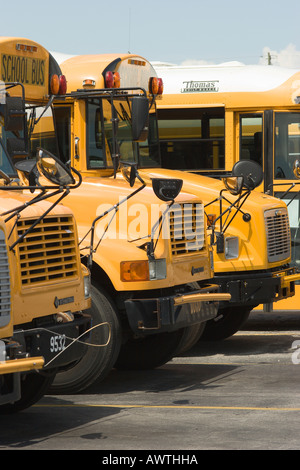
221 78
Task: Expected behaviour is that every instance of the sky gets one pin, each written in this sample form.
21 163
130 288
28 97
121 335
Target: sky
173 31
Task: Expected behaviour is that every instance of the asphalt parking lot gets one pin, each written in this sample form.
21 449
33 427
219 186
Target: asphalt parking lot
241 393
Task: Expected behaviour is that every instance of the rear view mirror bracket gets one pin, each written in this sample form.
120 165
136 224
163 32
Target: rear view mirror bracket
30 171
246 175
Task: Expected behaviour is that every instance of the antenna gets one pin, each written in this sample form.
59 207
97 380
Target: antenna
270 57
129 30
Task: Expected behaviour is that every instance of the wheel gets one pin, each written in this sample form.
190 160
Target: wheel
191 337
149 352
228 321
33 387
192 333
98 361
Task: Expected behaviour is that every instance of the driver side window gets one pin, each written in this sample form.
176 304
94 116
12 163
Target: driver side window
287 144
95 138
251 138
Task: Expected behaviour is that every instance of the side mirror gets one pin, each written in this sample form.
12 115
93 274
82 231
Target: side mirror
53 169
234 184
14 114
139 118
129 173
296 169
166 189
26 173
251 171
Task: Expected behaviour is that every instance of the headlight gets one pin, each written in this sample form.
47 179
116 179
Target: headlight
157 269
2 351
87 286
231 247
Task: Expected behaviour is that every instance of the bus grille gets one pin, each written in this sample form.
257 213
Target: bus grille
186 228
4 283
278 234
48 253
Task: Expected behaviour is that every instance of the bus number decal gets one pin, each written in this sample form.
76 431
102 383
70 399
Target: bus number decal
57 343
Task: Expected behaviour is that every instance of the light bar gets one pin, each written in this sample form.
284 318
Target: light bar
88 82
26 47
136 62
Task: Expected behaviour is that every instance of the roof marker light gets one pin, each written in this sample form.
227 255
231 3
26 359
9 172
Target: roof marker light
112 79
109 79
153 85
89 82
26 47
62 84
160 86
117 80
54 84
136 62
58 84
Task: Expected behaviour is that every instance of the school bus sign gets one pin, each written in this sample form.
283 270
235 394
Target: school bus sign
26 70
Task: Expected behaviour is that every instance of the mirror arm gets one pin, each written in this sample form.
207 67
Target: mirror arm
114 120
243 197
246 216
160 224
15 211
44 110
77 173
292 199
282 184
6 178
115 159
150 247
93 226
40 197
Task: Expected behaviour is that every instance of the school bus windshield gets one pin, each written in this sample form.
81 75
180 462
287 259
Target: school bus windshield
41 130
102 136
5 163
6 138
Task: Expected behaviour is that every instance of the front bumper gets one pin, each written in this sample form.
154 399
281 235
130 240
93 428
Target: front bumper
59 344
10 371
254 288
169 313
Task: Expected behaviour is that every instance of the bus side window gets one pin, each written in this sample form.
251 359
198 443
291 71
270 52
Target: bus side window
192 139
251 138
62 116
95 144
287 144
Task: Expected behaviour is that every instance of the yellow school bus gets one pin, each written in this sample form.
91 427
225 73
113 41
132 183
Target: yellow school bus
45 290
153 286
251 240
219 116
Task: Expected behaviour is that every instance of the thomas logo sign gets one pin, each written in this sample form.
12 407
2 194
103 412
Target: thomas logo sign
200 86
